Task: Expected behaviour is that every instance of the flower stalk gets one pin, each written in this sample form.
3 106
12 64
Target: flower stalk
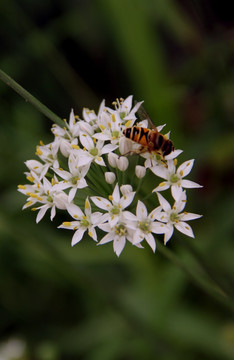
30 98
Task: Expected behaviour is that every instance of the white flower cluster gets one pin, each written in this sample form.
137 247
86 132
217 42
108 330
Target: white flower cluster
86 162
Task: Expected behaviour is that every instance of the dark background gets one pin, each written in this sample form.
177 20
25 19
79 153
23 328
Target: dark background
84 302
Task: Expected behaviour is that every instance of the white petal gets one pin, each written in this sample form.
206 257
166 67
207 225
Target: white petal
160 171
42 212
75 211
72 194
185 168
105 227
126 200
127 215
176 192
116 194
108 148
101 202
107 238
138 237
161 187
53 212
119 244
163 202
168 234
189 216
78 235
159 228
190 184
151 241
173 154
155 213
127 104
82 184
113 220
92 232
100 161
85 159
184 228
180 204
141 211
86 141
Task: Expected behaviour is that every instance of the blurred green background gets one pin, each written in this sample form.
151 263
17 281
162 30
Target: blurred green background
84 302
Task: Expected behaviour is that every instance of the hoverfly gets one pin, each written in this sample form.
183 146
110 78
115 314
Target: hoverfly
151 140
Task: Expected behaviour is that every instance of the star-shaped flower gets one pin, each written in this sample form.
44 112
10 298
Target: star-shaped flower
174 178
115 205
86 221
174 217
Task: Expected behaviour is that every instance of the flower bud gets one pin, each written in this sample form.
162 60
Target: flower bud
140 171
126 189
122 163
110 177
112 158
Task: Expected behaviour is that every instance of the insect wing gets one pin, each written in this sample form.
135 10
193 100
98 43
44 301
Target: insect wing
143 115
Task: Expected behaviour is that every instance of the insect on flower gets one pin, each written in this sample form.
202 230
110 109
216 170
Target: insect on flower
151 140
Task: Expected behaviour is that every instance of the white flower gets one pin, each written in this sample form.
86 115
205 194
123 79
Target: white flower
52 197
140 171
124 108
175 178
110 126
115 205
147 225
154 159
110 177
92 119
121 231
74 178
37 168
174 217
48 153
86 221
93 150
70 129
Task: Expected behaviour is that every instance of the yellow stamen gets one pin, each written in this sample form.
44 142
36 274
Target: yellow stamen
128 123
75 147
66 223
23 187
29 203
38 151
30 178
110 197
87 205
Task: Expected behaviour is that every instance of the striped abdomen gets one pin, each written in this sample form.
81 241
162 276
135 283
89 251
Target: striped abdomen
152 140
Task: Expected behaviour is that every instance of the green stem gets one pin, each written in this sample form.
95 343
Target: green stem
30 98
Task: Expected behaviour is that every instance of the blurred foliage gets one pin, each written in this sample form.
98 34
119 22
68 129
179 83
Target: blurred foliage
83 302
